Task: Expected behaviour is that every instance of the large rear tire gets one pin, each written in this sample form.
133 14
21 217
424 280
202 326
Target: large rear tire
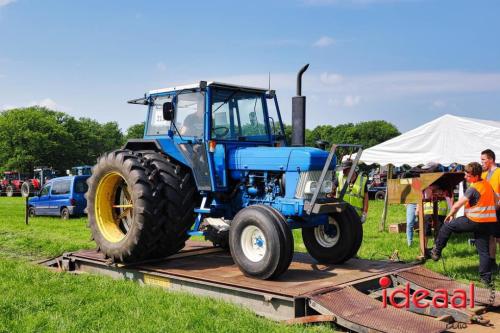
140 205
27 189
258 245
336 242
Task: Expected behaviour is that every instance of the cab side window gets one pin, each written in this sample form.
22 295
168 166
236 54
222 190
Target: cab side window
45 190
61 187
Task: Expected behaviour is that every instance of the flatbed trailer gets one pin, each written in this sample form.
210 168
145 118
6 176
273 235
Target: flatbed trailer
348 295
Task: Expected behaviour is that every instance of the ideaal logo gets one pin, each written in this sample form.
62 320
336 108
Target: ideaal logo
401 297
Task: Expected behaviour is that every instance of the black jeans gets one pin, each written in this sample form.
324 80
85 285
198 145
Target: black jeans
482 232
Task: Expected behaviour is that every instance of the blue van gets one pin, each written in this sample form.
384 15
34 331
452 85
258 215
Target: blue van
62 196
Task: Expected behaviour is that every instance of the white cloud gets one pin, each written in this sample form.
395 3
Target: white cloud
46 102
333 102
383 85
6 2
8 107
375 95
439 104
161 66
330 79
351 101
324 41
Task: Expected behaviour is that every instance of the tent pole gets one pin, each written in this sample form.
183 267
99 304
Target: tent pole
421 226
386 199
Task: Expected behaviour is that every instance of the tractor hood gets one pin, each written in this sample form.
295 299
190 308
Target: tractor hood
277 158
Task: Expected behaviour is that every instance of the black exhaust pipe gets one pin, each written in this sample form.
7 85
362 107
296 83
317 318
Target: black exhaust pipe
299 113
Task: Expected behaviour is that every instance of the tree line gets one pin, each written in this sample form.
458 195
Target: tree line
36 136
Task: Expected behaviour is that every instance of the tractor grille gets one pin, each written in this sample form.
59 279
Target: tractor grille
307 176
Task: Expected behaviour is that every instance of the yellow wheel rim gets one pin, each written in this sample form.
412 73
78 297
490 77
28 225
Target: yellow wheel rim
113 207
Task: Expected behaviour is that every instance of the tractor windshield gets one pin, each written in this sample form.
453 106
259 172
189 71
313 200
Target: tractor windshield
238 115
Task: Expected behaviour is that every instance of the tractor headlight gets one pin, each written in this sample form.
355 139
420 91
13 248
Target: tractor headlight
310 187
327 186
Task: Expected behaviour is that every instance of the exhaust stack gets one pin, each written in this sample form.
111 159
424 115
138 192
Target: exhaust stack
299 113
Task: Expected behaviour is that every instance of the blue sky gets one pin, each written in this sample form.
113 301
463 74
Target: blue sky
404 61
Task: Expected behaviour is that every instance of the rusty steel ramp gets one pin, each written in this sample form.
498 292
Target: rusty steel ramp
421 277
348 295
355 311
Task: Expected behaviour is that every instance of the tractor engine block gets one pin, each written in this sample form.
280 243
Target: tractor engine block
261 187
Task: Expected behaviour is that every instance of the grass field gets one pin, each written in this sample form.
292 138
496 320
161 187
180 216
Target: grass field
36 299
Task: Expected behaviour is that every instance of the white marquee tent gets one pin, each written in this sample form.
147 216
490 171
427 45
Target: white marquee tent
447 139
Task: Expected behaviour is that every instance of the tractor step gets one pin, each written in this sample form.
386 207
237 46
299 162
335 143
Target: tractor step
348 295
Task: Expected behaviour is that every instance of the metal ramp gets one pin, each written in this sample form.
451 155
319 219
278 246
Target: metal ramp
348 295
360 313
421 277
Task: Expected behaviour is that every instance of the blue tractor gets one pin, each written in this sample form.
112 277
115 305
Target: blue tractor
213 162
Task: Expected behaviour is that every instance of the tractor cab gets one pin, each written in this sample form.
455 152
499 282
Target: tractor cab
213 111
201 124
81 170
10 176
43 174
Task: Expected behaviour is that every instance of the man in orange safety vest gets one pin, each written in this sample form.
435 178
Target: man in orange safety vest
491 173
480 218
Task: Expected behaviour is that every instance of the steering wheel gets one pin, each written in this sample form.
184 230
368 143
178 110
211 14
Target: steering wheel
220 131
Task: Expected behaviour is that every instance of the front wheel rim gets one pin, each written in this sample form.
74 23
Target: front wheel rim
253 243
327 235
113 207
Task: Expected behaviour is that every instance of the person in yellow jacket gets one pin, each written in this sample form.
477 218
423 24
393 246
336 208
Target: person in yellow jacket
429 212
357 191
480 218
491 173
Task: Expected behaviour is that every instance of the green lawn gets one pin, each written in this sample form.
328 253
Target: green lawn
36 299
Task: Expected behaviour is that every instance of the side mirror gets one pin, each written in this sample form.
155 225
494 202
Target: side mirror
168 111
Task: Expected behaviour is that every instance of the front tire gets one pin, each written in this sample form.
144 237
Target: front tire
288 244
257 243
31 212
65 213
337 241
140 205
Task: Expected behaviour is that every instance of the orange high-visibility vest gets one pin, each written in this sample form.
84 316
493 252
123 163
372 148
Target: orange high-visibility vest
494 182
484 210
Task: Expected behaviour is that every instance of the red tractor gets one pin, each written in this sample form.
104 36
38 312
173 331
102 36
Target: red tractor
11 183
40 176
